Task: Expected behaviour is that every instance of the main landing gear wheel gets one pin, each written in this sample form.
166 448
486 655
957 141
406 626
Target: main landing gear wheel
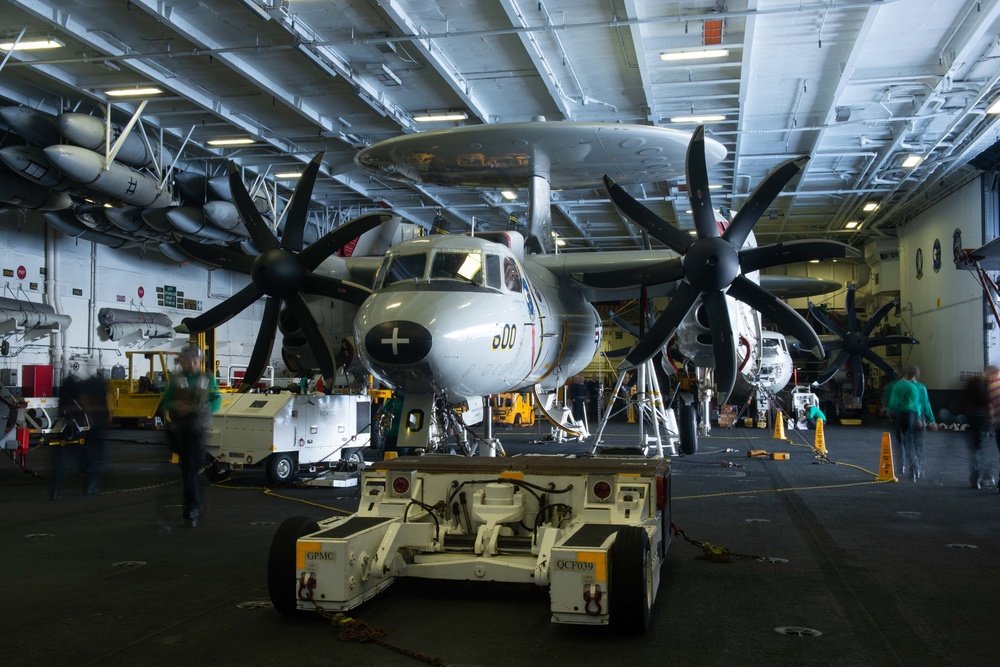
687 424
631 581
280 468
281 562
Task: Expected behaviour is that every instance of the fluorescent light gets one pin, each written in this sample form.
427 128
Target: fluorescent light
851 224
697 119
994 108
290 174
560 242
695 55
509 195
434 116
134 92
869 206
230 142
912 160
33 44
814 261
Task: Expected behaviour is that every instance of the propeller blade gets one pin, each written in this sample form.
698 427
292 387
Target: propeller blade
314 335
258 228
664 327
852 313
723 344
662 231
262 346
314 255
342 290
628 327
892 340
874 320
825 320
217 256
666 271
880 362
619 352
859 376
762 196
831 370
697 186
778 312
831 345
298 206
221 313
775 254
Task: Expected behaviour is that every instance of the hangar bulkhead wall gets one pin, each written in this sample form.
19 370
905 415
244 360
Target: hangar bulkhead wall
79 278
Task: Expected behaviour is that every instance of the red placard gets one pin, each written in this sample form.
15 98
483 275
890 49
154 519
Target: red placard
141 291
22 272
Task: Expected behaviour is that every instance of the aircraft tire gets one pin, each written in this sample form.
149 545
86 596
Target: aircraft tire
688 427
631 581
281 562
280 469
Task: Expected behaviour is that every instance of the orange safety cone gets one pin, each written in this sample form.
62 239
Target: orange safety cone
886 473
820 444
779 427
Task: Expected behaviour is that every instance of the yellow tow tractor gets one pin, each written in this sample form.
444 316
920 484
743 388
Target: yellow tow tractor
135 398
514 409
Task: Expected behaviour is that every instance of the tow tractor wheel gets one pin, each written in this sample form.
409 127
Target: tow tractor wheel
280 468
281 585
688 427
216 472
631 581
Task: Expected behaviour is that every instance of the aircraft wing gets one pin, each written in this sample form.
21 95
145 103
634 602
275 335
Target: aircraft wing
988 256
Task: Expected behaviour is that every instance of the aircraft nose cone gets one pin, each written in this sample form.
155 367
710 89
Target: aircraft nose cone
398 342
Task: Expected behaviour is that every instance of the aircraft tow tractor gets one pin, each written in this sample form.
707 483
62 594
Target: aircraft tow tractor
310 435
593 531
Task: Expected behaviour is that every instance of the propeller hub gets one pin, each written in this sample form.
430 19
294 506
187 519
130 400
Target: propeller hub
855 343
277 272
711 264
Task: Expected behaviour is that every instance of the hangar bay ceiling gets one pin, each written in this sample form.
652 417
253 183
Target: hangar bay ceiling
858 86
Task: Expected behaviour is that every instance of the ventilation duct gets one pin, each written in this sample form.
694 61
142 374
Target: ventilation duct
120 323
34 320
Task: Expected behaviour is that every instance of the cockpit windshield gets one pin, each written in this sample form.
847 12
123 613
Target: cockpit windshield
397 268
454 265
772 347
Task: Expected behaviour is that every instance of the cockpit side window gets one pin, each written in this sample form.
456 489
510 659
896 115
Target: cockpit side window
511 276
493 271
458 266
397 268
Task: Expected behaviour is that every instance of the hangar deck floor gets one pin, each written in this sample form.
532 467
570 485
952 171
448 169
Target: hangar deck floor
889 573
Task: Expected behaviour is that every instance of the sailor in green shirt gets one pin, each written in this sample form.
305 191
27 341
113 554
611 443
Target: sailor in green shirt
908 400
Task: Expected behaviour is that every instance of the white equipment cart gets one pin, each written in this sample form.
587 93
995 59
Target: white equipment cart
593 531
289 434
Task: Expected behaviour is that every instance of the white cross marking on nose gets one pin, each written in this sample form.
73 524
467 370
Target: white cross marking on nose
395 341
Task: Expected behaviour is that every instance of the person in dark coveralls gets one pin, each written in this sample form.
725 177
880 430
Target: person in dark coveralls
978 411
189 400
94 399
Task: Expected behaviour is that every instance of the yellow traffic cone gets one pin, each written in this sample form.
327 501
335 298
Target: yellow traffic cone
779 427
886 473
820 444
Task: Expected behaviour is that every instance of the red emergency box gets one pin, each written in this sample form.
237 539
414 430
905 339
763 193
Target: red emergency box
36 380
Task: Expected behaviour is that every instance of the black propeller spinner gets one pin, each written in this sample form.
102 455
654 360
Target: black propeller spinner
712 265
282 272
855 344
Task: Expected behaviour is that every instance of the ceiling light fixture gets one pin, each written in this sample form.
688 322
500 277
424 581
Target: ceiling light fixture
509 195
994 108
243 141
697 119
134 92
912 160
289 175
869 206
31 45
434 116
851 224
694 55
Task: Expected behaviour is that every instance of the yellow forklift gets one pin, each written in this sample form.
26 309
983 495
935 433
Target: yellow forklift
135 399
514 409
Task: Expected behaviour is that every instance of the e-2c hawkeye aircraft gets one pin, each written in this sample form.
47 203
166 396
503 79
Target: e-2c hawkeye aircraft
454 317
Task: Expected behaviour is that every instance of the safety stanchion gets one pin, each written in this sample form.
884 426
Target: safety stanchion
886 472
